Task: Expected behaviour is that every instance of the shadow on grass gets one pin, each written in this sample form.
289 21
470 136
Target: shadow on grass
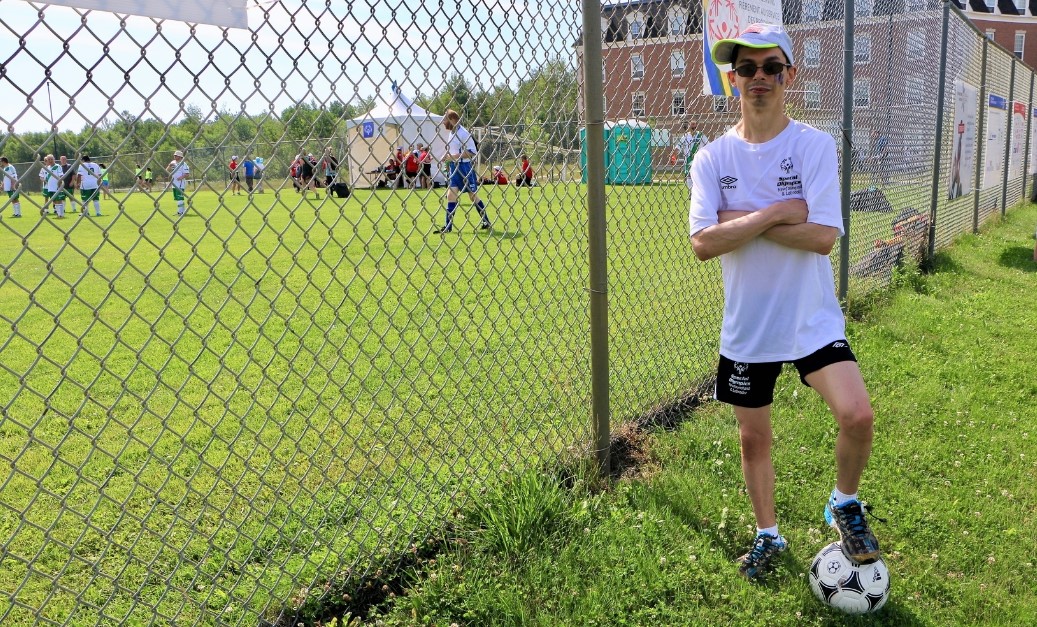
1018 257
502 235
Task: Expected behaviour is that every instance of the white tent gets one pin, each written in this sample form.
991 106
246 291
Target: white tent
394 122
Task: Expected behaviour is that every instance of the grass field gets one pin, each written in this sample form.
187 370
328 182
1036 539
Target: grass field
948 358
203 415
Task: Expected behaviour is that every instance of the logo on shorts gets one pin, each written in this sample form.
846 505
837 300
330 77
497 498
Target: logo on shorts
740 368
728 182
839 345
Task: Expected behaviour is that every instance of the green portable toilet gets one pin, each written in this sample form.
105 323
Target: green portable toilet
628 152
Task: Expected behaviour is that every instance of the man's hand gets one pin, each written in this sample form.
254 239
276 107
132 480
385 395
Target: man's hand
793 211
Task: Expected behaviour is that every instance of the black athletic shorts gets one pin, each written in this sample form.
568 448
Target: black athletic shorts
752 385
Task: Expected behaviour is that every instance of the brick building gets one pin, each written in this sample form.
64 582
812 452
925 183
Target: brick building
652 57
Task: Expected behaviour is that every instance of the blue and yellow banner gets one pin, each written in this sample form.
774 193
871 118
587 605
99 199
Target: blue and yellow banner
725 19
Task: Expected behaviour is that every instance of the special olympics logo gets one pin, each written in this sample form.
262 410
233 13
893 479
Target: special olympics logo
740 368
786 164
722 19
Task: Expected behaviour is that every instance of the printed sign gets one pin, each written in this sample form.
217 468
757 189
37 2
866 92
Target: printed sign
367 130
994 159
228 13
963 149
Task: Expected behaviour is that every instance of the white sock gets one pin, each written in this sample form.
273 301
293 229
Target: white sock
17 209
180 207
771 531
97 207
60 210
842 499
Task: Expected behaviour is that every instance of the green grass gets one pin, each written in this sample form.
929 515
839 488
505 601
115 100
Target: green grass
948 358
203 416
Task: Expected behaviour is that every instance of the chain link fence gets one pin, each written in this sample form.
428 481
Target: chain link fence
224 417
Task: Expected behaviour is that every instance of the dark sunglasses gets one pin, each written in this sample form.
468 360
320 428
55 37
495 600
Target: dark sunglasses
770 68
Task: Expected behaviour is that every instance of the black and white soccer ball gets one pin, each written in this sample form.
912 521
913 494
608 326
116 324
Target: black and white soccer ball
844 585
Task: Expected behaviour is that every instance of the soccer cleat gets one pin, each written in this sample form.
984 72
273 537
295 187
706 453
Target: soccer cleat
859 544
442 231
754 564
485 226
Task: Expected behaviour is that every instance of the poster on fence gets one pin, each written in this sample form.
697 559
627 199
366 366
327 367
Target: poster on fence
963 149
994 151
228 13
1033 142
1018 140
726 19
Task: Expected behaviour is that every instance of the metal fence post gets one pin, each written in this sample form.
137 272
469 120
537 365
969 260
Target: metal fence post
939 130
597 251
847 175
980 137
1029 130
1008 142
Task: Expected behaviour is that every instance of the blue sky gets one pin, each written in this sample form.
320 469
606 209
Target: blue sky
270 65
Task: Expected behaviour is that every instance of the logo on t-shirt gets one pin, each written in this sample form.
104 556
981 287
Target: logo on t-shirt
791 184
786 164
728 182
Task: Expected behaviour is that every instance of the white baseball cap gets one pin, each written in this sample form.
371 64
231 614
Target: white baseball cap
754 36
234 158
178 154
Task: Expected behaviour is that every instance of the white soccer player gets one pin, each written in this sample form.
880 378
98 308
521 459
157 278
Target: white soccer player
178 172
461 149
11 185
87 179
52 177
688 146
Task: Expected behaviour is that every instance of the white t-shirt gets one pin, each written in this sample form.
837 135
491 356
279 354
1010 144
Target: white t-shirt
179 173
460 140
779 302
691 143
10 178
91 173
51 177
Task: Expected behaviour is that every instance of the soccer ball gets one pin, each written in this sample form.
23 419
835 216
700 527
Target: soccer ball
844 585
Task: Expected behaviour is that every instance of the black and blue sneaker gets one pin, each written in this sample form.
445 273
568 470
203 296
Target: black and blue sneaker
754 564
858 542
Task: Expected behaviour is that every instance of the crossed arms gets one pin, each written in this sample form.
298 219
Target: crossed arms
783 222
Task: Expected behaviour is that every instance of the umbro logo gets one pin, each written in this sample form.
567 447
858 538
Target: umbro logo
728 182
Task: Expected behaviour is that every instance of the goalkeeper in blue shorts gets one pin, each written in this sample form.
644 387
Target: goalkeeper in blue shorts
460 152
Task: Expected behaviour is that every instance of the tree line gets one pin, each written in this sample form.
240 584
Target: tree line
541 108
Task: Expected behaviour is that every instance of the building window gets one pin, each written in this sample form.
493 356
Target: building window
812 53
637 104
721 104
861 49
677 63
915 45
861 93
864 8
1020 43
677 104
678 22
636 26
637 66
991 4
1020 6
913 6
604 28
812 95
914 92
990 34
812 10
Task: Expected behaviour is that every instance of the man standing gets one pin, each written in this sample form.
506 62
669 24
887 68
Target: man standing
879 158
260 166
87 180
52 178
68 180
249 167
688 146
460 150
329 165
10 175
765 200
235 182
178 173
